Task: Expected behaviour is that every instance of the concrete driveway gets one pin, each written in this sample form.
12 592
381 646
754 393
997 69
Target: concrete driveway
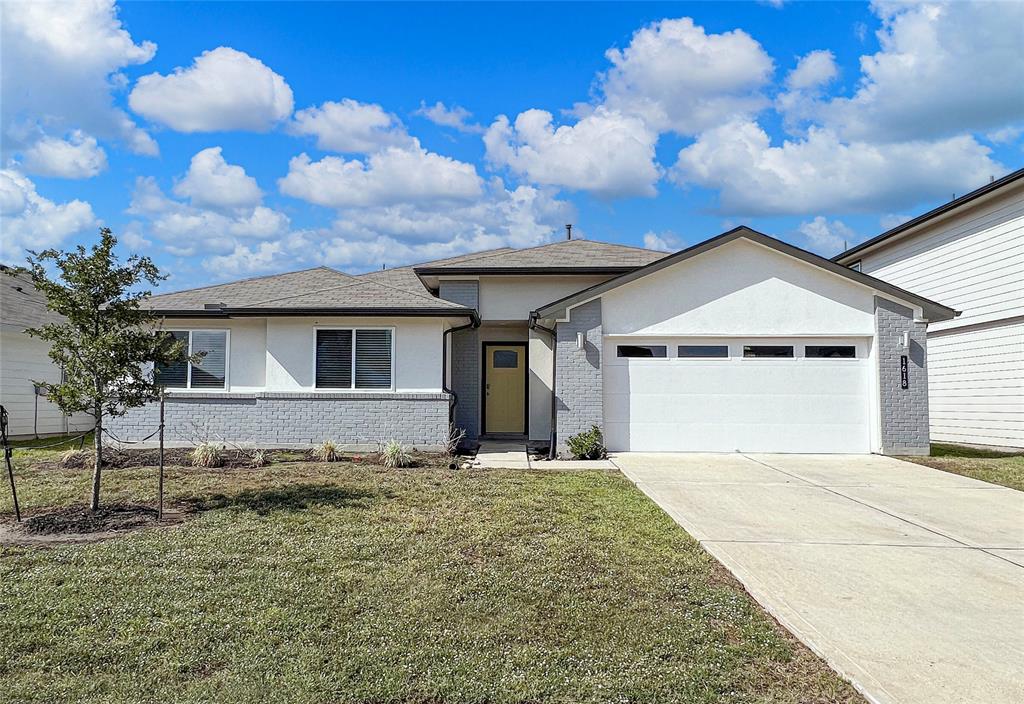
907 580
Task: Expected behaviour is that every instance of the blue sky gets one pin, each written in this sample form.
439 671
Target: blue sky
236 139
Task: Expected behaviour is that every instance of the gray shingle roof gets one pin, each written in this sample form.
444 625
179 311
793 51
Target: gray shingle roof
313 289
567 254
21 304
405 278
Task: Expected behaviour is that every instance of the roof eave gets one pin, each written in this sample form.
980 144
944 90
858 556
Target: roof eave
944 209
228 312
523 270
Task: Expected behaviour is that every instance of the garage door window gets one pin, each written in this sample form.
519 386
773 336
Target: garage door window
774 351
830 351
641 351
702 351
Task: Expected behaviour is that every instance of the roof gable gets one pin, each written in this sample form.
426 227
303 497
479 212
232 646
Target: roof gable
932 310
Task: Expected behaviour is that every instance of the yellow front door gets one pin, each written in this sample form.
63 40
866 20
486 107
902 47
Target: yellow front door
505 389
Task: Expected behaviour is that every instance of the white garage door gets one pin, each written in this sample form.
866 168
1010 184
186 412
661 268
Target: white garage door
748 395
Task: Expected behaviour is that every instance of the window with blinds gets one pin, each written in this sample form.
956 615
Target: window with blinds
354 358
210 372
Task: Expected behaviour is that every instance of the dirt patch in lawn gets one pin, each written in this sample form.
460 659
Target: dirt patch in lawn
79 524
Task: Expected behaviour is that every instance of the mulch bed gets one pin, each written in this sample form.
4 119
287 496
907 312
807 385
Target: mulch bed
80 519
127 458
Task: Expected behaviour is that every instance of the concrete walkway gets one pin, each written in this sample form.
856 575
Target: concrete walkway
907 580
499 454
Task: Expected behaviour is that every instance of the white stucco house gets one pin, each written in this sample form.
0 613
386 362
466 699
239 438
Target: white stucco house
969 254
24 361
742 342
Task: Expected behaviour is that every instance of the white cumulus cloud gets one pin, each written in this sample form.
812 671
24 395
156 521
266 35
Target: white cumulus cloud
943 69
679 78
456 117
813 70
223 89
30 221
827 237
351 127
606 153
78 156
214 183
823 173
391 176
666 241
61 66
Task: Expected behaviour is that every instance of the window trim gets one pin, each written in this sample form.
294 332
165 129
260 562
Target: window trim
188 365
352 389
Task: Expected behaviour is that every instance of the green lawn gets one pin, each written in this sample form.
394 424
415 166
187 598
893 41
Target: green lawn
1005 468
308 582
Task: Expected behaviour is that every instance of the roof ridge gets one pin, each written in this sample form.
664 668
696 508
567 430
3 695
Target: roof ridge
499 253
347 284
482 254
252 278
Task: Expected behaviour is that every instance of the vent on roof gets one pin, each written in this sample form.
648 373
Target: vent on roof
212 306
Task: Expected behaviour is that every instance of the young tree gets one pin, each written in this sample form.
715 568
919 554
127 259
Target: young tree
105 340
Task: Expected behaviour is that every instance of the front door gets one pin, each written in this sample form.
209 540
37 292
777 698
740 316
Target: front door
504 387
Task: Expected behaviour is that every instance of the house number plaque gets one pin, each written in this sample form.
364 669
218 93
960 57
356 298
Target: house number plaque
904 376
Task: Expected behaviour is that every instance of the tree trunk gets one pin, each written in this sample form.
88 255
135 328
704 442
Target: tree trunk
98 466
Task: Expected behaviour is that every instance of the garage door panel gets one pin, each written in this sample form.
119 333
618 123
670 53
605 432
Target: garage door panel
736 408
725 405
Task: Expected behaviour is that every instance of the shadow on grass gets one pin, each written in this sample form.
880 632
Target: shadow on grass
944 450
293 498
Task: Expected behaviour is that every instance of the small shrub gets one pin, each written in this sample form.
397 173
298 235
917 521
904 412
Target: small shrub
455 437
393 455
258 458
326 451
588 445
206 454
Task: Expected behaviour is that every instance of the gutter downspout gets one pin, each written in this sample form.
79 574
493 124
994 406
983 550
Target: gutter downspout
534 325
474 323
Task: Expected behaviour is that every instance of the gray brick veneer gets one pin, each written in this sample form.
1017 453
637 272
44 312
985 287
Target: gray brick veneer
579 394
465 381
357 420
904 412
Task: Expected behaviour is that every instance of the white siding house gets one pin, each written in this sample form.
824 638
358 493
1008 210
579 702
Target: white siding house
24 360
968 255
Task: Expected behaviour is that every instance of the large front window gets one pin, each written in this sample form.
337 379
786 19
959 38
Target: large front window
354 358
210 372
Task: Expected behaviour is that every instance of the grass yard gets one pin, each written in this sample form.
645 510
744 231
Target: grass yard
305 582
1005 468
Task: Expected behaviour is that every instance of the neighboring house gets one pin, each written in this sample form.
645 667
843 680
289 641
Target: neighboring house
969 254
740 343
24 360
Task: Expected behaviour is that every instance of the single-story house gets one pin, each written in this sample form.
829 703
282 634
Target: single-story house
24 361
969 253
743 342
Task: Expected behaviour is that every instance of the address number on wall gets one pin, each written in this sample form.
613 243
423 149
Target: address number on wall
904 374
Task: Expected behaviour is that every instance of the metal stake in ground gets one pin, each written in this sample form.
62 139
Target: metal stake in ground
160 498
8 451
